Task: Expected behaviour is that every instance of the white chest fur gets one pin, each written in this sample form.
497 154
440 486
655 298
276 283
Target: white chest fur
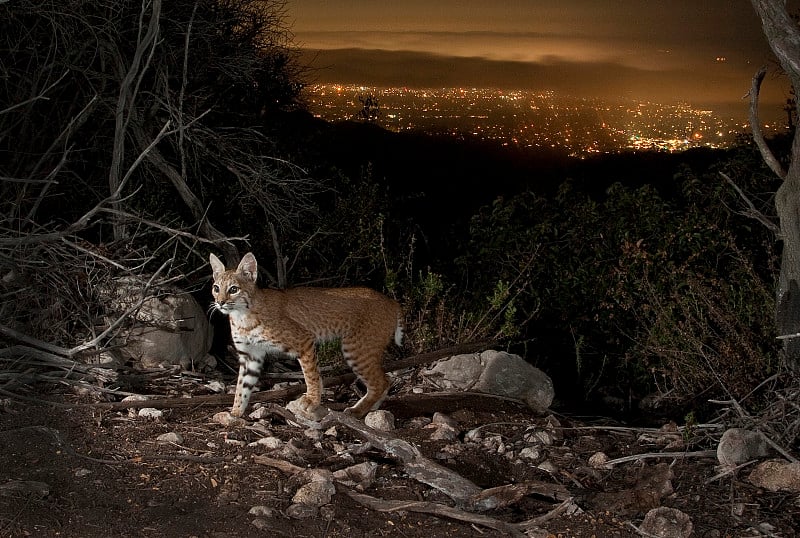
251 342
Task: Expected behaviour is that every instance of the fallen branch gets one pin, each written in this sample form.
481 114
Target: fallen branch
512 529
274 395
655 455
443 510
417 466
436 509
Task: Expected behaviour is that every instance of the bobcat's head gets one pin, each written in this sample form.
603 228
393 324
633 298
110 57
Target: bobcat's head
232 290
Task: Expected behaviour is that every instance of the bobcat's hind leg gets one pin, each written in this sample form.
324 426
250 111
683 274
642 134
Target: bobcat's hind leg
369 370
310 403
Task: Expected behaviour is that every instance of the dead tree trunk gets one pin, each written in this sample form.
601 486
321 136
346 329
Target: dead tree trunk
783 35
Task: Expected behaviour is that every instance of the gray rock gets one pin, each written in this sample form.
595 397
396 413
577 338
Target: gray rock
441 418
495 372
667 523
261 511
443 432
226 419
170 328
361 474
776 475
302 511
262 524
150 412
315 493
738 446
380 420
170 437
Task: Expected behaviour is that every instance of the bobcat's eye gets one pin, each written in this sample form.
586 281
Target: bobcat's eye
233 289
215 288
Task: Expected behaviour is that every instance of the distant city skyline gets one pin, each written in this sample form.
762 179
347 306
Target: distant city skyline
523 119
666 51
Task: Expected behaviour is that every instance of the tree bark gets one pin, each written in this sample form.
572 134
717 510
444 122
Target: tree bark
783 36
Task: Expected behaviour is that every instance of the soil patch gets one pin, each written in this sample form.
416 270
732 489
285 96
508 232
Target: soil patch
93 473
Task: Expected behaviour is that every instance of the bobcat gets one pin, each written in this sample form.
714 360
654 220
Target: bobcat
293 320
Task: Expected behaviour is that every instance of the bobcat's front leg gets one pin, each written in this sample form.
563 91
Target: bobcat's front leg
249 372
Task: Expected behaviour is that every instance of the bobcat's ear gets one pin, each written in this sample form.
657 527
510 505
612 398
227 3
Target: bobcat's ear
217 267
248 267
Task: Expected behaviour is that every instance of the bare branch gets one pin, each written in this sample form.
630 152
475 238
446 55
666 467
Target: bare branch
751 211
755 126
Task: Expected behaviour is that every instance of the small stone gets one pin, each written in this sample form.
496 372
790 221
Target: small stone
599 460
667 523
216 386
82 472
270 442
473 435
538 437
261 511
226 419
529 453
361 474
441 418
262 524
380 420
170 437
313 433
548 467
444 432
259 413
150 412
302 511
417 423
234 442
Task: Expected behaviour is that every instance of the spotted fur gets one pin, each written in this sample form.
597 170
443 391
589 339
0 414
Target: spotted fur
292 321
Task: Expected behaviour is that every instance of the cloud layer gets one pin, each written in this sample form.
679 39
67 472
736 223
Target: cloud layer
719 83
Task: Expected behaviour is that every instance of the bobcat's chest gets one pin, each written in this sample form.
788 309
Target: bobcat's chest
252 339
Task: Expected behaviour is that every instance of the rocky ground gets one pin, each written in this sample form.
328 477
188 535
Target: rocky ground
75 469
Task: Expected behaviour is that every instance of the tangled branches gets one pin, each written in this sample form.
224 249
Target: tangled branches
110 112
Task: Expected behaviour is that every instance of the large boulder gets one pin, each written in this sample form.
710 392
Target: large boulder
494 372
738 446
169 327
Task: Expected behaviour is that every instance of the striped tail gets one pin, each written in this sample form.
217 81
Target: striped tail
398 331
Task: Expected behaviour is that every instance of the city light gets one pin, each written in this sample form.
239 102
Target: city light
527 119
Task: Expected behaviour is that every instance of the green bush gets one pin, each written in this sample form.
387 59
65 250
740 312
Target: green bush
637 289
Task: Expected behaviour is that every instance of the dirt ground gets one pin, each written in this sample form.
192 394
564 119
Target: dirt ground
100 473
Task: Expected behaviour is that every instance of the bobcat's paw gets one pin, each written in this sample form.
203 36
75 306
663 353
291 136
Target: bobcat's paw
356 411
306 408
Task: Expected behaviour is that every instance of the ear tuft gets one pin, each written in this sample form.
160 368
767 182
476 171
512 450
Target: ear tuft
217 267
248 267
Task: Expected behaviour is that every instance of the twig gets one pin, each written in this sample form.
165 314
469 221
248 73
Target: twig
437 509
754 213
729 470
656 455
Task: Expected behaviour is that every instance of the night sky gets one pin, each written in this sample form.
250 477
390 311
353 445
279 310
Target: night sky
697 51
